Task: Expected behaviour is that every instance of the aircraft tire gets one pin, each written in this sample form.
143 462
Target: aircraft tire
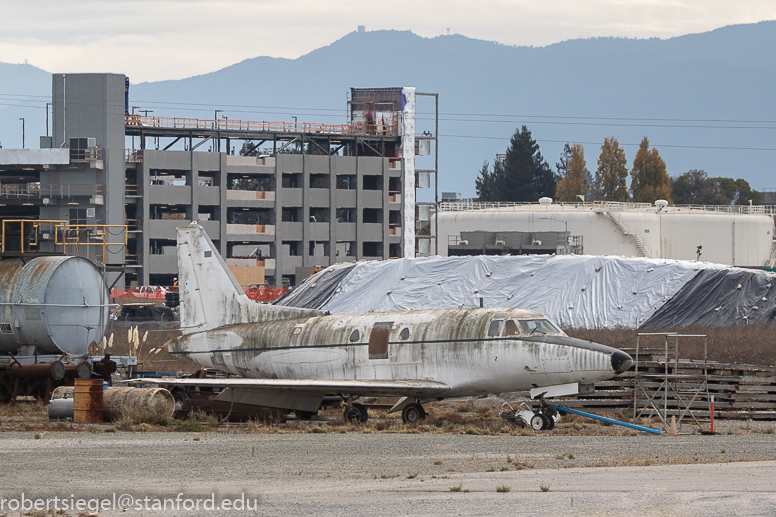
538 422
181 401
412 413
356 413
363 413
550 422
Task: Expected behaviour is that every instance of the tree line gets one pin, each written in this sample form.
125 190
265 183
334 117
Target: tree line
522 174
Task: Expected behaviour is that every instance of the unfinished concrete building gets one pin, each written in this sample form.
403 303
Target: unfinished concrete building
299 195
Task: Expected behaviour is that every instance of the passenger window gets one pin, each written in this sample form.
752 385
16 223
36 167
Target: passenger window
354 336
405 334
511 329
495 328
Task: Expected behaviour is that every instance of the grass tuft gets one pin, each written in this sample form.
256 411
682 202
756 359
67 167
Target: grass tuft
466 407
189 426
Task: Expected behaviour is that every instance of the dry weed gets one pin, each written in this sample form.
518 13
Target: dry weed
465 407
131 416
749 344
24 409
208 419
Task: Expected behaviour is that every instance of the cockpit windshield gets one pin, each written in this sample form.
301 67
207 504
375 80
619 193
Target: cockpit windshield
538 326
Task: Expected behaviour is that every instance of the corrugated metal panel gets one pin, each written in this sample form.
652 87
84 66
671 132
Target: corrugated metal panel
54 156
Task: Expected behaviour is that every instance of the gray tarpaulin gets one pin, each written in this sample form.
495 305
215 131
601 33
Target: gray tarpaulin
720 298
575 291
311 296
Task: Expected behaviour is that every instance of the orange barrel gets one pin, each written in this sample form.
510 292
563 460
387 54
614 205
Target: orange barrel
87 401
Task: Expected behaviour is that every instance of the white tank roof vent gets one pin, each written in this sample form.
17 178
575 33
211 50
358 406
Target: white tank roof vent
545 200
661 203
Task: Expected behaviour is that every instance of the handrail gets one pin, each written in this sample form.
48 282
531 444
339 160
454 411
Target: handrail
67 237
41 190
133 155
638 237
262 126
471 205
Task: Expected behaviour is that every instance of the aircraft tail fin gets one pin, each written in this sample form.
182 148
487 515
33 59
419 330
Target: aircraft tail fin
210 295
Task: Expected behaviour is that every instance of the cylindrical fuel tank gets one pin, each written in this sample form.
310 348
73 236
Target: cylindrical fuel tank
60 302
61 409
136 400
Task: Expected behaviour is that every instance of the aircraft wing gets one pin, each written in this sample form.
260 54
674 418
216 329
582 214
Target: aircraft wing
367 388
305 394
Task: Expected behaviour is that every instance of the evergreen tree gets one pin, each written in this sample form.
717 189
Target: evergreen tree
612 172
573 173
523 174
485 184
649 179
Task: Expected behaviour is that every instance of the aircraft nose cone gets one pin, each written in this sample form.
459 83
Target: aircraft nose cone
621 361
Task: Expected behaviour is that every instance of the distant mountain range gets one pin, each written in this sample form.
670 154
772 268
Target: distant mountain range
706 101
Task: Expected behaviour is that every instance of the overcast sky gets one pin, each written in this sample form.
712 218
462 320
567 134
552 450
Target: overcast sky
152 40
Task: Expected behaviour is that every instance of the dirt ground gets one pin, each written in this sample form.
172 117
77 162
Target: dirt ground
394 474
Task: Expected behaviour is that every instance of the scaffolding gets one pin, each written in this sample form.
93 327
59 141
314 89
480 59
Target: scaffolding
657 381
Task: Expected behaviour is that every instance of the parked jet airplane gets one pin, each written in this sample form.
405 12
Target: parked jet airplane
291 357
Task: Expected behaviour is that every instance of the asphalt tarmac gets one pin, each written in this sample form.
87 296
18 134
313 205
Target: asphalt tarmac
389 474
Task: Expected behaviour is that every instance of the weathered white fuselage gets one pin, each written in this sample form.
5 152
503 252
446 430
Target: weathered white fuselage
474 351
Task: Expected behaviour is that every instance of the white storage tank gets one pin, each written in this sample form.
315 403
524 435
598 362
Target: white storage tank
629 229
60 303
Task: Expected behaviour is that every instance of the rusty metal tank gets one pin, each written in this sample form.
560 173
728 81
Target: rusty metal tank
61 303
87 401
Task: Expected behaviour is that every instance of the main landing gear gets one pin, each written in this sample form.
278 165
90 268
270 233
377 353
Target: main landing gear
355 412
412 413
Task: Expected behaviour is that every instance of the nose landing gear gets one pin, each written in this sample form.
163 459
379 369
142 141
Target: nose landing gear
543 418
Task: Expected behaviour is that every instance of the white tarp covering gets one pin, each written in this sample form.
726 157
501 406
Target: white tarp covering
575 291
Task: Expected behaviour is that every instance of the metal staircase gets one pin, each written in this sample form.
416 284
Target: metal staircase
635 235
772 261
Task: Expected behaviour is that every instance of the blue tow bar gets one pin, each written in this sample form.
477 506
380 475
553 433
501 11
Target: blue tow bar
604 419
